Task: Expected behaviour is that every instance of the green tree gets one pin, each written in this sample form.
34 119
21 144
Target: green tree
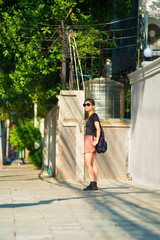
24 135
30 48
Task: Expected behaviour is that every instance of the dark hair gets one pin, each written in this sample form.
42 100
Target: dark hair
90 100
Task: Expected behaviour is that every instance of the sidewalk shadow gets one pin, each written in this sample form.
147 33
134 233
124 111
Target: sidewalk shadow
122 205
129 214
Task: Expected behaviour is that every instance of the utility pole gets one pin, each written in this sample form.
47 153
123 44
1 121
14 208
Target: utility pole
63 57
145 29
69 61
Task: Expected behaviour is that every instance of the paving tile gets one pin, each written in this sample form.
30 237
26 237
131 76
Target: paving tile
35 209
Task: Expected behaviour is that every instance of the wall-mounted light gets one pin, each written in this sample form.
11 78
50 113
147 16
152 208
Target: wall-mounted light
148 52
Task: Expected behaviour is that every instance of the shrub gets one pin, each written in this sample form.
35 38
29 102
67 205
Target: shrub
36 157
25 135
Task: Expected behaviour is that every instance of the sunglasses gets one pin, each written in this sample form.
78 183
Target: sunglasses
86 104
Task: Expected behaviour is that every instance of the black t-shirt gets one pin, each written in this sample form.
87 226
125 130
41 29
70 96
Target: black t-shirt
90 127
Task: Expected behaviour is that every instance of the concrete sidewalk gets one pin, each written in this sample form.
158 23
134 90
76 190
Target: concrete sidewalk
36 207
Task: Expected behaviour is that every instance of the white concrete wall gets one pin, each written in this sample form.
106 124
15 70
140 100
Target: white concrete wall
69 160
64 135
1 146
50 139
144 157
113 164
64 141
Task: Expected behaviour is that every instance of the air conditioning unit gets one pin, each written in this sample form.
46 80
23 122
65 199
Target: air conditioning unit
154 33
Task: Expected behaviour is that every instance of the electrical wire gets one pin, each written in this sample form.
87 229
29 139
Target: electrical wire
25 45
110 39
84 50
87 25
24 21
105 31
97 51
103 24
55 39
53 43
31 29
47 39
68 26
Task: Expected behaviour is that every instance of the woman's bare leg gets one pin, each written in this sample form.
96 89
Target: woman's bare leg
88 158
94 166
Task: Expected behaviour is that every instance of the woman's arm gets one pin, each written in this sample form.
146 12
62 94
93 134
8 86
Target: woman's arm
98 133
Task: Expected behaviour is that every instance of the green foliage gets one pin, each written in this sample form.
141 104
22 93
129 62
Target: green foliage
24 135
29 68
30 52
123 8
128 101
36 157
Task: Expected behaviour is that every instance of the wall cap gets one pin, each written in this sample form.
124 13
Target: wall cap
151 69
119 123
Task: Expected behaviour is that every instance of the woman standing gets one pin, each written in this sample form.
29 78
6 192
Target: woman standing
91 139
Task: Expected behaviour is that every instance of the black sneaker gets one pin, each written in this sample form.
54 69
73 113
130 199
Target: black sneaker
88 188
92 186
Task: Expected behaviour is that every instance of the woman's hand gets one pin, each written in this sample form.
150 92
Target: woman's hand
95 142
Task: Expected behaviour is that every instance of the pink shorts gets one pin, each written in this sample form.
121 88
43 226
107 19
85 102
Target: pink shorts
88 144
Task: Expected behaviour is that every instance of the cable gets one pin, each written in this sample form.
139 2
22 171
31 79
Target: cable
50 39
71 26
127 46
107 31
26 45
44 24
14 35
111 39
31 29
97 50
100 24
54 43
85 50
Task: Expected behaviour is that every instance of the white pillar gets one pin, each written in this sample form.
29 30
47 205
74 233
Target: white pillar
35 114
1 147
7 138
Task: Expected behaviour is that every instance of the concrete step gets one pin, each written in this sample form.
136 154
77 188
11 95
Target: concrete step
18 164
